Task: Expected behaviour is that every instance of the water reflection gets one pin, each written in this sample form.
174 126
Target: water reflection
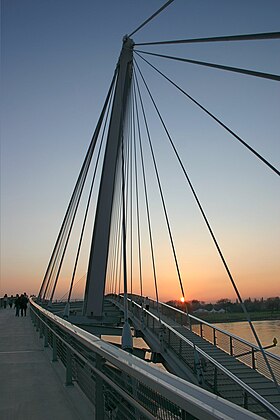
266 331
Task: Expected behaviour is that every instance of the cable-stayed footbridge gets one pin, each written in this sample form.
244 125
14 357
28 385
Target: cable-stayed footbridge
213 374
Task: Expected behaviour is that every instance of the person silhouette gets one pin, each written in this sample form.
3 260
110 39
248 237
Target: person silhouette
17 304
23 304
11 301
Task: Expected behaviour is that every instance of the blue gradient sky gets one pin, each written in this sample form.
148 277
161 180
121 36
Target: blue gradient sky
58 58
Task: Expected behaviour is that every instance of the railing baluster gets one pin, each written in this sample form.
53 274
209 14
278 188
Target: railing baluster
253 358
230 345
108 379
201 330
214 337
46 344
245 400
68 381
99 394
54 353
41 329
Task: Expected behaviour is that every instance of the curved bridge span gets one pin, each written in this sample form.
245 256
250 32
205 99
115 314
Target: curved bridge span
210 365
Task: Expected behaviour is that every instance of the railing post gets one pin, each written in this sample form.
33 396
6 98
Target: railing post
45 336
245 401
230 346
54 353
180 347
215 380
214 337
68 381
253 358
37 323
201 330
99 394
41 329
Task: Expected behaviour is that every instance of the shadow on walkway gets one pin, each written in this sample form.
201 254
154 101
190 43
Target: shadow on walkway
32 387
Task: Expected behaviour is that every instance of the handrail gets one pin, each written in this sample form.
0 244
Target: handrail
218 365
237 380
188 397
202 321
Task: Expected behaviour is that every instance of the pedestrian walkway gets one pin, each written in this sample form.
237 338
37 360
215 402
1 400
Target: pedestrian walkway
32 387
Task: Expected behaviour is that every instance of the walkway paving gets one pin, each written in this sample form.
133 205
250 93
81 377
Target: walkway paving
32 387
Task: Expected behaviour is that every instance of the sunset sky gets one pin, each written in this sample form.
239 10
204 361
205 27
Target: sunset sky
58 59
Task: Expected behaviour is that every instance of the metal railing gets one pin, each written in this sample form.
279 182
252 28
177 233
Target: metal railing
120 385
243 350
210 372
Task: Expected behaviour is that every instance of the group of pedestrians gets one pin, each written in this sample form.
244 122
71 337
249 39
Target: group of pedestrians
19 302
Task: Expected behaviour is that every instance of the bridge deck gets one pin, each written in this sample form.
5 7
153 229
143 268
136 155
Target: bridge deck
32 387
251 377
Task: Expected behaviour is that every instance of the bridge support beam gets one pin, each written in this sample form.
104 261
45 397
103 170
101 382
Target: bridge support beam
95 284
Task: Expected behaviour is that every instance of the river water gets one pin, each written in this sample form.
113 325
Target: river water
266 331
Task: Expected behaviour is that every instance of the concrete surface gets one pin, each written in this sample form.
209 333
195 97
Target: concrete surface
31 386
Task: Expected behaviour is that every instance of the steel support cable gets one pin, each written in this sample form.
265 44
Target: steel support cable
76 284
118 249
119 261
112 248
83 227
81 186
118 235
89 200
146 201
124 199
214 118
114 239
137 194
126 154
127 136
63 232
48 274
63 244
76 186
83 171
69 231
71 221
59 249
130 182
246 37
124 230
58 246
131 191
219 252
216 66
160 186
151 17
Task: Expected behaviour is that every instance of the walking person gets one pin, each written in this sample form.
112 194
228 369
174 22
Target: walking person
23 304
11 301
5 300
17 304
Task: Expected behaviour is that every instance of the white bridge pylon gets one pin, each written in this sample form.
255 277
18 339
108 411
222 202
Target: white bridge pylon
95 283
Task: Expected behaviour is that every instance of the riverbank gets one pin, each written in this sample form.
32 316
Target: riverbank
239 317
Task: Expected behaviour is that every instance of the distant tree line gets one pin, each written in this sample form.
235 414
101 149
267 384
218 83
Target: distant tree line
271 304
